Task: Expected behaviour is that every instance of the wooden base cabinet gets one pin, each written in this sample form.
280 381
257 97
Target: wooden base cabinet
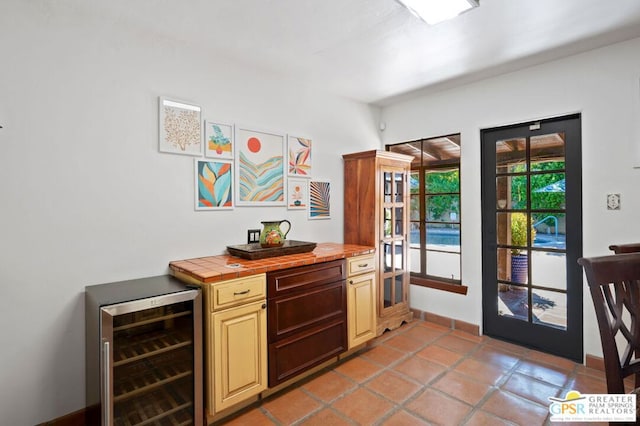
376 213
361 300
239 361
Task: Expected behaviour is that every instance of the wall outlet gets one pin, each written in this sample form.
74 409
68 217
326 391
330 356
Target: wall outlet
253 236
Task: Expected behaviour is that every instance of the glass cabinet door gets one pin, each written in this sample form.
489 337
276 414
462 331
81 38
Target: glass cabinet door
393 245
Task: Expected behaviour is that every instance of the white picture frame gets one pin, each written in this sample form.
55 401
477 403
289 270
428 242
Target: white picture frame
213 184
299 156
180 127
297 194
218 140
319 199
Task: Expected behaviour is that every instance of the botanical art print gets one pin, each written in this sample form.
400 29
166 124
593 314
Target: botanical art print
218 140
180 129
214 183
319 200
297 194
260 167
299 156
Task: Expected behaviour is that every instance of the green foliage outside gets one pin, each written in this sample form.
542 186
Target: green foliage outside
440 206
519 231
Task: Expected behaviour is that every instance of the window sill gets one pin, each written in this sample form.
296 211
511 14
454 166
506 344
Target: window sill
439 285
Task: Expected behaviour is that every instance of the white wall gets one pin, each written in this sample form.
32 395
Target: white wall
604 86
86 197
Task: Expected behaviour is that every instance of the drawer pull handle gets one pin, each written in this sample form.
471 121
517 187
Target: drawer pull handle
363 265
351 282
239 293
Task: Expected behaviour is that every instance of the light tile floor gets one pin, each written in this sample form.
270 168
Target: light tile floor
425 374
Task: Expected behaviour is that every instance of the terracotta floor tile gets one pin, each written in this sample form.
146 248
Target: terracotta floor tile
519 350
468 336
402 418
546 373
394 387
531 389
461 387
518 410
363 406
420 369
358 369
254 417
481 371
404 343
329 386
438 408
456 344
424 334
496 356
440 355
482 418
325 417
291 406
555 361
384 355
433 326
584 383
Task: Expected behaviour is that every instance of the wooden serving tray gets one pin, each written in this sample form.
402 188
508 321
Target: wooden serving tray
255 251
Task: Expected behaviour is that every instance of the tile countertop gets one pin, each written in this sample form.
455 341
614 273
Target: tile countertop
224 267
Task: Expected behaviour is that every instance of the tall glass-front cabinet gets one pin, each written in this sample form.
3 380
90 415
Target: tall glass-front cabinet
376 213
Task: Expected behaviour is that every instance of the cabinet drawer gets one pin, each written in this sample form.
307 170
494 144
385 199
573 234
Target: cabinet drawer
360 264
239 290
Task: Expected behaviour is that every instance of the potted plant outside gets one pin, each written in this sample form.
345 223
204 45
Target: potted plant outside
519 260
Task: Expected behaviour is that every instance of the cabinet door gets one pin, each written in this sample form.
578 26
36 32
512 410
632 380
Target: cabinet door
361 301
393 250
240 354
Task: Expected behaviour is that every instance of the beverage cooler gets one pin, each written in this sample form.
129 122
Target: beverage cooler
144 353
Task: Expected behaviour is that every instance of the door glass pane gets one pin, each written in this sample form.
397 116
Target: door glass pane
550 308
414 208
399 186
387 222
387 292
445 265
399 255
547 152
399 219
387 257
503 264
513 301
549 269
547 191
513 229
511 155
387 187
399 295
550 230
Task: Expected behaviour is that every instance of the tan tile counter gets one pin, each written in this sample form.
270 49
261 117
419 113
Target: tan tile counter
224 267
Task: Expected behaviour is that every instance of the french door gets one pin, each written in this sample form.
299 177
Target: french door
532 235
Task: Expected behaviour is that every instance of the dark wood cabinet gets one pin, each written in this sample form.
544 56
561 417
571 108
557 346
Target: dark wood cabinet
306 318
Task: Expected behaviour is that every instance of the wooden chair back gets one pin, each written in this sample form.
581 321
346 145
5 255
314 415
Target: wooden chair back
614 283
625 248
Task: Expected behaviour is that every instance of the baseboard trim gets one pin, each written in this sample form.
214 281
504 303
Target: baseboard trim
451 323
595 362
77 418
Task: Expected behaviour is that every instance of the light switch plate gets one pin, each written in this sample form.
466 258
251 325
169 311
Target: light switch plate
613 201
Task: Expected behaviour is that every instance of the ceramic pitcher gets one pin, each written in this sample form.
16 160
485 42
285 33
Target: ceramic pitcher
272 235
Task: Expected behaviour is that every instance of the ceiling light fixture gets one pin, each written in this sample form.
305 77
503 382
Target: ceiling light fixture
435 11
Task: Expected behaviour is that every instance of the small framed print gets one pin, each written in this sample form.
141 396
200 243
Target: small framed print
319 199
297 194
298 156
213 184
180 129
259 167
218 140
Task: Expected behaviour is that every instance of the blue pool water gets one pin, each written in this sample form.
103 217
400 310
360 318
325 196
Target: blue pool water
451 237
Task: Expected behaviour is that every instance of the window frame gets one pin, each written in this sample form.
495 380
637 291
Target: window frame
421 167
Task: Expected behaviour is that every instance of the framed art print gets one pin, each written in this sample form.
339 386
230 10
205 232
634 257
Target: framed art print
180 129
213 184
319 199
297 194
259 167
298 156
218 140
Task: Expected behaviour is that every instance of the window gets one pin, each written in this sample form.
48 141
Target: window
434 228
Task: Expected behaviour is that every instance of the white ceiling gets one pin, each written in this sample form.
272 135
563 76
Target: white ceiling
376 51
